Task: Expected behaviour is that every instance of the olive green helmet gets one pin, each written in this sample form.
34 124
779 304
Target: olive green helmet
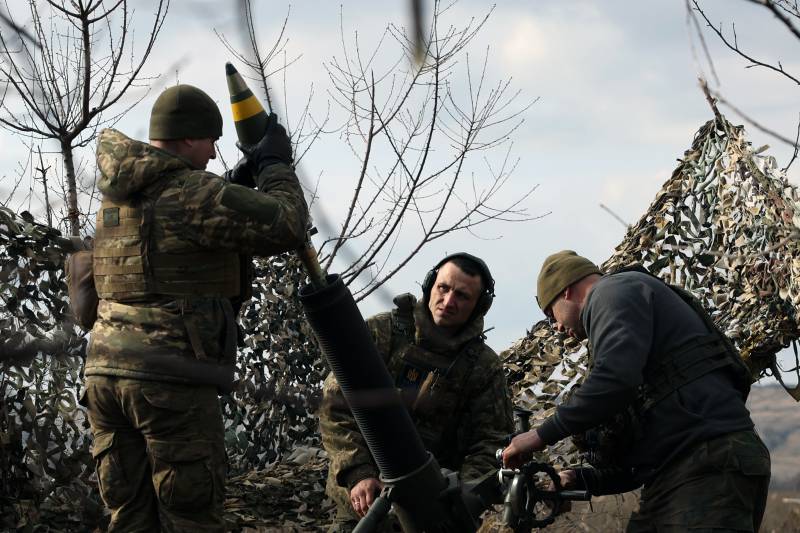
185 112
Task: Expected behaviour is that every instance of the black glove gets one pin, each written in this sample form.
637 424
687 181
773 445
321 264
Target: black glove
274 147
241 174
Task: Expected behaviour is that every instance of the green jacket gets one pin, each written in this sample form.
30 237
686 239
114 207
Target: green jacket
463 413
186 213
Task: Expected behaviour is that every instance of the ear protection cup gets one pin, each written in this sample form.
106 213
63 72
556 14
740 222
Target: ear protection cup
427 283
486 298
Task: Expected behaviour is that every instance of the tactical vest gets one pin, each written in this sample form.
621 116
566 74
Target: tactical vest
664 374
433 385
127 269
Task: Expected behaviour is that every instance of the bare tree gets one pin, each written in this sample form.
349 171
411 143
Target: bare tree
787 13
414 127
79 63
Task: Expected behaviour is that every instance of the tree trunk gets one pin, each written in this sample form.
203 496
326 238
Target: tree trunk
72 189
43 170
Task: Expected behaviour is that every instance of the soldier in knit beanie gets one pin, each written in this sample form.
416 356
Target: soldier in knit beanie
559 271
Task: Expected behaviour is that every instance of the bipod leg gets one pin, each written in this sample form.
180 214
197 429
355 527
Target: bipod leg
377 512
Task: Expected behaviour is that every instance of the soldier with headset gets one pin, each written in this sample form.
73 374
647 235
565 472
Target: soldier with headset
453 384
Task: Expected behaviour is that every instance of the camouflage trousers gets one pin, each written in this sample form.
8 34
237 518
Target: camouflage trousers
160 454
720 486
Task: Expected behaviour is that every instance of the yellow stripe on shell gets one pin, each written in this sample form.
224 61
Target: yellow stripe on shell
246 108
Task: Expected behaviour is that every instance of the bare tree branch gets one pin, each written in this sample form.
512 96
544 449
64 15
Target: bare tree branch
785 11
734 46
430 135
67 83
692 17
18 30
752 121
780 12
796 147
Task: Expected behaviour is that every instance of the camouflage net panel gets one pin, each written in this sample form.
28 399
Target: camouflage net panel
47 469
281 371
288 496
44 442
725 226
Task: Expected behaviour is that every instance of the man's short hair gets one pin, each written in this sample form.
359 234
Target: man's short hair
470 268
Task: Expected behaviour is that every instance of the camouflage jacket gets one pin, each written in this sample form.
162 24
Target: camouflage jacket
463 412
193 212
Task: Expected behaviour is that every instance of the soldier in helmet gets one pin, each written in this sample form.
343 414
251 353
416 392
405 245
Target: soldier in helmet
453 384
171 270
662 406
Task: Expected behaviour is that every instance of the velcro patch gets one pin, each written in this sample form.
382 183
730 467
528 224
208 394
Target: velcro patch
111 216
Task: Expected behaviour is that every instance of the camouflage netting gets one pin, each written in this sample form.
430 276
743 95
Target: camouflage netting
725 226
44 445
280 372
47 470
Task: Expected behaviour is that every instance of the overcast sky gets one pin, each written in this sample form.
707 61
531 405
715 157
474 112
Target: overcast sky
618 103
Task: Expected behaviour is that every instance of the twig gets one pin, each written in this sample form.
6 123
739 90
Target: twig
796 146
758 126
19 30
613 214
735 47
710 100
690 16
780 16
43 171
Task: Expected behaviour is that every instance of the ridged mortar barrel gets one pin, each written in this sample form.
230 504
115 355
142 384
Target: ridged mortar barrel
362 375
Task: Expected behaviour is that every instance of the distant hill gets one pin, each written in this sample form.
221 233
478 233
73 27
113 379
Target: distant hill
777 419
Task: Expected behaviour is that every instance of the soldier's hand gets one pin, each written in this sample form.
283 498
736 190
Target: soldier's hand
521 449
567 478
274 147
241 174
363 494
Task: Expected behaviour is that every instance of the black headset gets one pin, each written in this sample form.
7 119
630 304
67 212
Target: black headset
486 297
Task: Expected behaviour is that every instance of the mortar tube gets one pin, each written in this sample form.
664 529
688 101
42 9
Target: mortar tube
366 384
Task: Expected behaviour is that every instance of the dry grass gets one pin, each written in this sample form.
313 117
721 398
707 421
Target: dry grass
610 513
783 512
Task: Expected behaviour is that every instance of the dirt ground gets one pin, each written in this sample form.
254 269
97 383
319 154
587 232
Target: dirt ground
609 514
290 498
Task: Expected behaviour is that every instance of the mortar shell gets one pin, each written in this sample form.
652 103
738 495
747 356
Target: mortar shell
249 115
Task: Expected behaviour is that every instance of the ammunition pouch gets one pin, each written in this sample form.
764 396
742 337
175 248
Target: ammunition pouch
83 297
208 349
